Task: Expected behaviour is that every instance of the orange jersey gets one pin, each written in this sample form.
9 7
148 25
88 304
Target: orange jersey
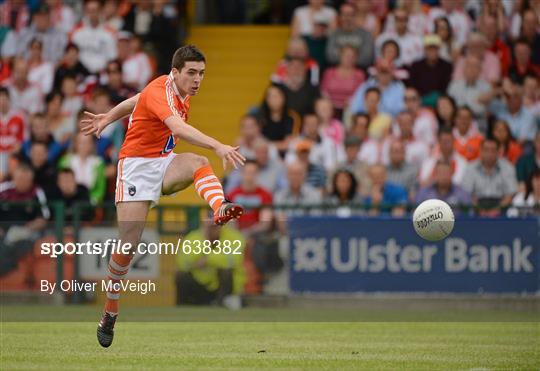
147 135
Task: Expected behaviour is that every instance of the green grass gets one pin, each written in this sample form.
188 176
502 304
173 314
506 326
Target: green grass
240 345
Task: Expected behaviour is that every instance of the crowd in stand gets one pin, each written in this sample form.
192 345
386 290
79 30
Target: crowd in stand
379 104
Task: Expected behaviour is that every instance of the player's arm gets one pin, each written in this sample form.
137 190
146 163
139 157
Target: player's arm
92 123
193 136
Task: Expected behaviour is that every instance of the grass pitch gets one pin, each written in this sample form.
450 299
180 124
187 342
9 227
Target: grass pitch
235 344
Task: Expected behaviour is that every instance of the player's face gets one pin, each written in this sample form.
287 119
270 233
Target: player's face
188 80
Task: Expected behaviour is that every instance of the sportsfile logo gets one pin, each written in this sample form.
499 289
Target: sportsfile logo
321 255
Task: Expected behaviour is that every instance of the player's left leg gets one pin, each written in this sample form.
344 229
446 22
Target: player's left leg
187 168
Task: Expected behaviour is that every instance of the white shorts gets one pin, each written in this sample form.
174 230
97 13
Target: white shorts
141 178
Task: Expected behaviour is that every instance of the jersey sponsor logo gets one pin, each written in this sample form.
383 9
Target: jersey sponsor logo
169 145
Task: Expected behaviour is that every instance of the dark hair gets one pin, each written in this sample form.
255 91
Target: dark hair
265 109
528 182
373 89
448 25
488 140
65 170
491 135
187 53
522 40
71 46
4 91
443 162
445 130
36 40
465 108
251 161
357 116
393 42
454 109
53 94
354 183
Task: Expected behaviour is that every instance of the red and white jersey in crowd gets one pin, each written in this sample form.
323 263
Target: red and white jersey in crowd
6 13
29 99
97 45
137 70
411 46
457 162
13 130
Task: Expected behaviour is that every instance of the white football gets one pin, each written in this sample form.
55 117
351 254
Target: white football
433 220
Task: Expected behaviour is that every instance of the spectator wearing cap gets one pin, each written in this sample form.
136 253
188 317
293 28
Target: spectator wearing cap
490 180
303 22
399 170
430 75
444 187
350 35
339 83
468 90
467 137
410 45
54 41
352 163
522 64
297 48
24 95
490 67
391 89
96 41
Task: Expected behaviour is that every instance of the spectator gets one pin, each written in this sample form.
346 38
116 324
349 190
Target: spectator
444 188
344 190
529 31
54 41
330 127
114 84
211 278
12 130
410 45
297 48
392 90
316 42
490 67
490 29
379 124
63 18
24 95
44 172
460 21
278 122
522 64
298 192
253 198
71 193
366 18
490 180
95 41
315 174
528 162
445 152
39 133
112 18
445 111
339 83
430 75
304 16
324 151
385 195
418 21
73 102
415 150
17 15
61 126
270 169
70 65
89 168
300 93
468 90
390 51
250 133
521 120
136 69
449 49
425 122
467 138
350 35
40 72
360 127
531 96
529 198
399 171
354 165
508 147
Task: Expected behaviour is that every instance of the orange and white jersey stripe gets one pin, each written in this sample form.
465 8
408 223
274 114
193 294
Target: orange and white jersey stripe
147 134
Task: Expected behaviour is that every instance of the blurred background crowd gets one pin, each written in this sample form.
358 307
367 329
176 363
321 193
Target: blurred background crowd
375 103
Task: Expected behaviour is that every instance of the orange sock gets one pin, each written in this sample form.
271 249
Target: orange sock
208 187
118 268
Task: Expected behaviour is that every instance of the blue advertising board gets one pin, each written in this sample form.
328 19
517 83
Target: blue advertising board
331 254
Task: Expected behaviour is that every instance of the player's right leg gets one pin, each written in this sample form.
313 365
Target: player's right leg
131 221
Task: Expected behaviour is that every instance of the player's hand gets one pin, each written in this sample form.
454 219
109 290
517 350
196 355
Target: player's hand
230 154
93 124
